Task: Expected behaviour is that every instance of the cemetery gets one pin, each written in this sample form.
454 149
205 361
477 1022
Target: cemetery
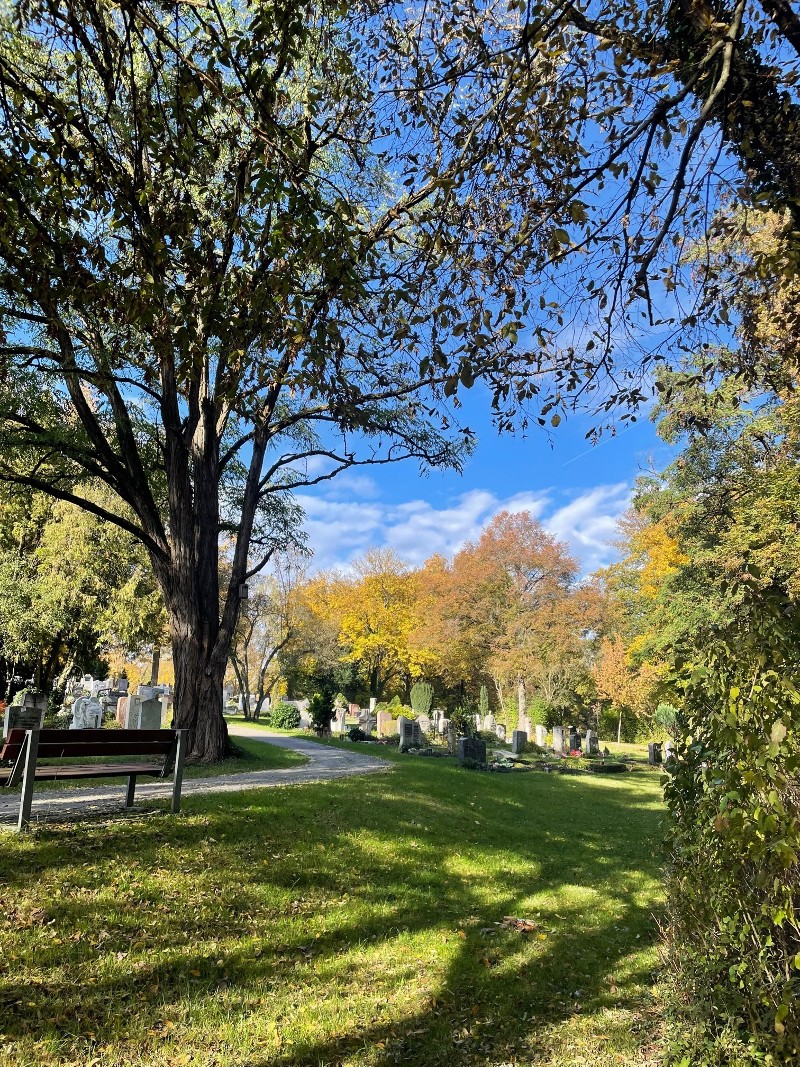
399 585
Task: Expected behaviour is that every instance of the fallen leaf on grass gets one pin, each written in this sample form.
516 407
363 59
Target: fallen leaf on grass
525 926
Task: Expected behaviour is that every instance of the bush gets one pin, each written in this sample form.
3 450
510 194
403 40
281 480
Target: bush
320 710
355 733
284 716
734 841
421 697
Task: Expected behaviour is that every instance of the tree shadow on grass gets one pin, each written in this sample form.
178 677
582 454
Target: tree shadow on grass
446 854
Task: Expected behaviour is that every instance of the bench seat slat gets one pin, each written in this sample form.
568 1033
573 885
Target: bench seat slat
91 770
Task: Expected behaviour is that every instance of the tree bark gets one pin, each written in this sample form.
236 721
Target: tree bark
198 698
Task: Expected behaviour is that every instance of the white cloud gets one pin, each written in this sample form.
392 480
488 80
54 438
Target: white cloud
588 523
340 530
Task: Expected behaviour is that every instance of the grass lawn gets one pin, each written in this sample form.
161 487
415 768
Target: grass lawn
345 923
254 756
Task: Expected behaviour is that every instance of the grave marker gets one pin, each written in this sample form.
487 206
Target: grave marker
471 748
410 734
519 742
654 753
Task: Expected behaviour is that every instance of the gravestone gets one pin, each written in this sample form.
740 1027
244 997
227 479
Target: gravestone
541 736
340 720
146 692
122 685
488 724
372 702
410 734
354 710
122 709
559 739
386 724
424 724
23 718
471 748
477 721
500 731
87 714
670 751
592 743
574 740
524 724
166 715
143 714
519 742
654 753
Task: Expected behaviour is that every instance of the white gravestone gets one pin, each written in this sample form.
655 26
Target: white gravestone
541 736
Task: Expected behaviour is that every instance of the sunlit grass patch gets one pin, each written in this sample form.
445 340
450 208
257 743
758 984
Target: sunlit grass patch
359 922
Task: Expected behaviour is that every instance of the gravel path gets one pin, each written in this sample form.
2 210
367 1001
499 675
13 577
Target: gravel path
323 764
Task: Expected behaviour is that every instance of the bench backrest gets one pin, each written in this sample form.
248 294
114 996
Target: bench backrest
57 744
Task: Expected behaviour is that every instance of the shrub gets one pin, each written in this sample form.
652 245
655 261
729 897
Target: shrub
734 842
666 720
355 733
284 716
483 703
421 698
320 710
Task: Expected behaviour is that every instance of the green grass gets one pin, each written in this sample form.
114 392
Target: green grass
254 756
350 923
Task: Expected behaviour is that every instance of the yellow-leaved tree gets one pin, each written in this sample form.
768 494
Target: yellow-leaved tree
374 610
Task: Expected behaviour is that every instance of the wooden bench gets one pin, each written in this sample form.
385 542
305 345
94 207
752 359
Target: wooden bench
24 748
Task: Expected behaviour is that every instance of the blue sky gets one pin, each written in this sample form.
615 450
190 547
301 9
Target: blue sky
576 490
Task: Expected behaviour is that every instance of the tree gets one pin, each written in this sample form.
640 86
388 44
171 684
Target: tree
508 607
626 686
71 587
234 240
267 623
374 612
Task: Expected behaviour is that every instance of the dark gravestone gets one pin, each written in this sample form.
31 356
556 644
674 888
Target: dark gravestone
17 717
592 743
574 740
519 742
471 748
654 753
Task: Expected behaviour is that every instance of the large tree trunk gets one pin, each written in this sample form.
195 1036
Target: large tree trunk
198 697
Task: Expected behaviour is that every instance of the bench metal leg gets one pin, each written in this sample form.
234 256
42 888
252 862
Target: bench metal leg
177 776
28 777
131 791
